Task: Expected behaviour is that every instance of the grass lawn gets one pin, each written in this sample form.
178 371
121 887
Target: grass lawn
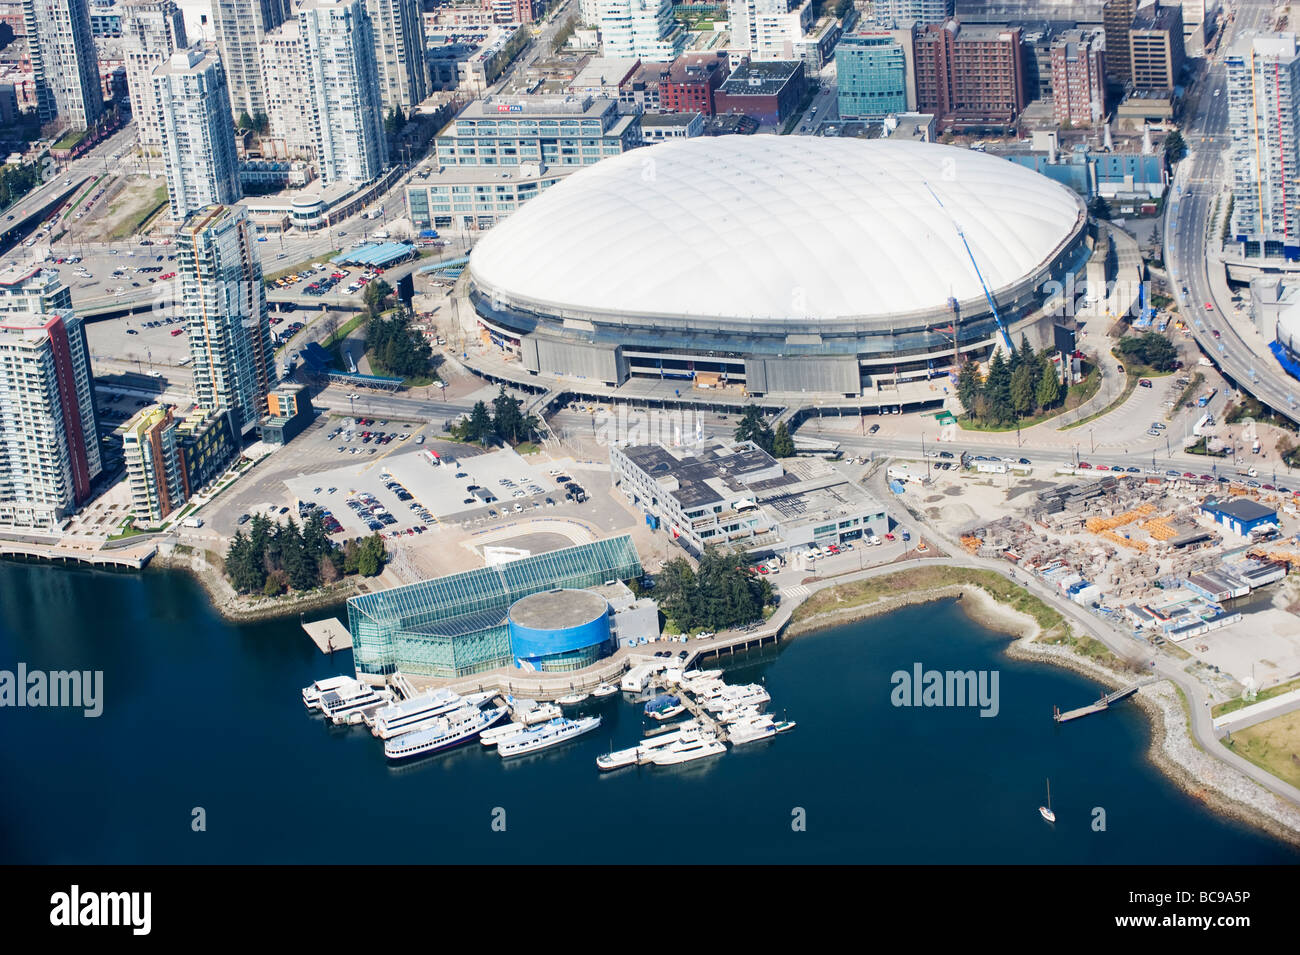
71 139
1273 746
344 330
527 447
1231 706
128 529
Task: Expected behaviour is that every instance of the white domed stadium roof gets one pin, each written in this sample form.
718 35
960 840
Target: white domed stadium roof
775 227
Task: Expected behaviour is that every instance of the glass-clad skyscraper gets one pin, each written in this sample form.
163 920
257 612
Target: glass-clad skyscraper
871 70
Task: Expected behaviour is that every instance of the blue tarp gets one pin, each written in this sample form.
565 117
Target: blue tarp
896 487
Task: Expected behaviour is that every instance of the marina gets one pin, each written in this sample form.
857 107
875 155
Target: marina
315 781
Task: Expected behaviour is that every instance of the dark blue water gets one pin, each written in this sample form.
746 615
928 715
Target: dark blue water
201 713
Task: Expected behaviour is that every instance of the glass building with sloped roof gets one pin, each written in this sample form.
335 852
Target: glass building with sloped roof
457 625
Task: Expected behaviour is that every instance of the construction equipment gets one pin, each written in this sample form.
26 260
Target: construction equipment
1006 338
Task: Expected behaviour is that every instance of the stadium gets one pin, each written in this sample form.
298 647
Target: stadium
1286 342
786 264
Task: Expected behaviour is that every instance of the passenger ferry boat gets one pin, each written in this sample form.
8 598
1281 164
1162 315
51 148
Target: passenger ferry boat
548 734
349 704
311 694
443 732
398 718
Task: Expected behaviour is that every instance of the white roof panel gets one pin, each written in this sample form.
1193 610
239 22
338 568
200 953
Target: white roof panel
777 227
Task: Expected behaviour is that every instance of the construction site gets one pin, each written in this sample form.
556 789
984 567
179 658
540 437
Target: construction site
1198 569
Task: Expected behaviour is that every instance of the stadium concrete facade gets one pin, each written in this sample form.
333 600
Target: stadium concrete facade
785 264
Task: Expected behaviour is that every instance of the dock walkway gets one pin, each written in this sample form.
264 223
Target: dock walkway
1102 704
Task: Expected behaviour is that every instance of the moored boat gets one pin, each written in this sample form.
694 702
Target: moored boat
444 732
536 738
687 750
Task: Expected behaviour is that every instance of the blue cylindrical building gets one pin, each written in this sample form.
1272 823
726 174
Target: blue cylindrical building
559 630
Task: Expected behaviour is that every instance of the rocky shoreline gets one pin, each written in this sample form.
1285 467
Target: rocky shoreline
1172 750
236 608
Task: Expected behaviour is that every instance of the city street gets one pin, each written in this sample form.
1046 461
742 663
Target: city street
1197 185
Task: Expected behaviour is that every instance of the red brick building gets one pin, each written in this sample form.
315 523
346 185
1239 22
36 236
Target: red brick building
768 91
972 78
1078 78
691 82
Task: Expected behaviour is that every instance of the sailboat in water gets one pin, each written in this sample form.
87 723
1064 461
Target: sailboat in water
1046 811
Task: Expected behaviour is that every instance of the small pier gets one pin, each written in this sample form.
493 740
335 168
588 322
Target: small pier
739 642
1101 704
329 634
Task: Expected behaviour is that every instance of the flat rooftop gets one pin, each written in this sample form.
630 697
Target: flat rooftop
1241 508
789 491
558 609
668 119
761 78
707 476
575 106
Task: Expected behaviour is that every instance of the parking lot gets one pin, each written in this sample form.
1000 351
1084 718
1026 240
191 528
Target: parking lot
404 485
321 278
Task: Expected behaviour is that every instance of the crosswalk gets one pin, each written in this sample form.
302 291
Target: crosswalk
797 592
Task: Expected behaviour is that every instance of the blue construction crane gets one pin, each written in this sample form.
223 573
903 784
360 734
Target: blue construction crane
1006 339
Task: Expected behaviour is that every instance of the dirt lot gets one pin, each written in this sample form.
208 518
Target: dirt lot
138 198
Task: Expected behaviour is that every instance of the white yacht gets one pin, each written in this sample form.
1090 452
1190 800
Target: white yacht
349 704
686 750
654 745
398 718
547 734
618 759
498 733
733 714
443 732
573 699
751 729
604 690
700 675
311 694
736 696
530 712
670 713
